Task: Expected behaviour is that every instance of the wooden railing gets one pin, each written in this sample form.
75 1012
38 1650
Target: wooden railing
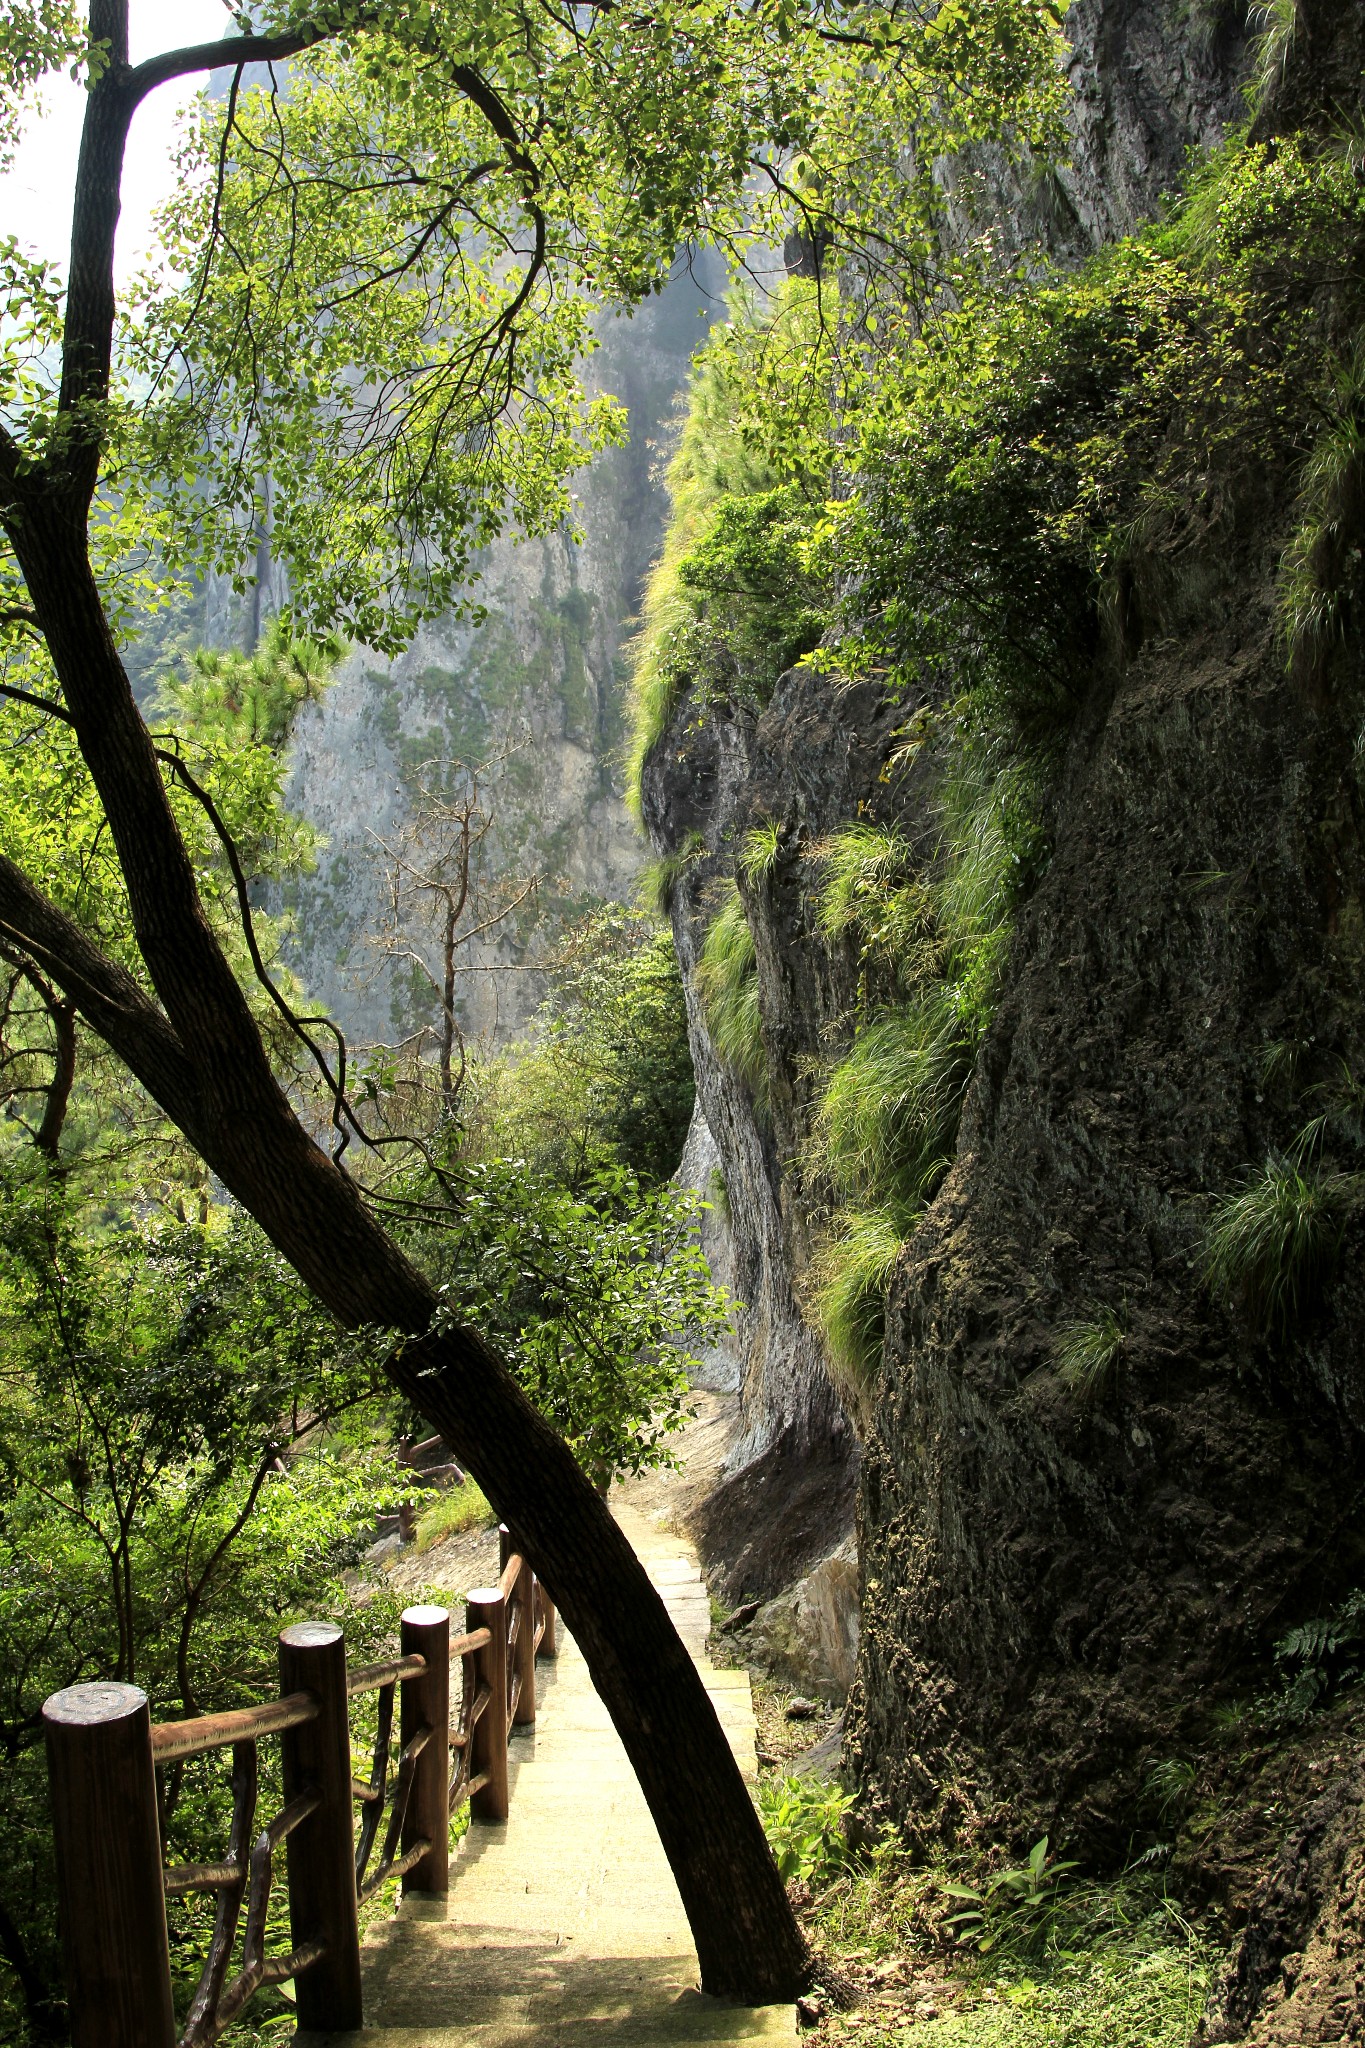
111 1767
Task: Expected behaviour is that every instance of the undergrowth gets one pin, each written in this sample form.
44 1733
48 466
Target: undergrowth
1026 1955
454 1513
732 599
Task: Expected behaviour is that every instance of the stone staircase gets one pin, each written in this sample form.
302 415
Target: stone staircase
563 1925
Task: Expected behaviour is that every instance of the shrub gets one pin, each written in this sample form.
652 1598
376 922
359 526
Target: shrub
1274 1244
731 600
1023 1910
607 1077
803 1819
596 1300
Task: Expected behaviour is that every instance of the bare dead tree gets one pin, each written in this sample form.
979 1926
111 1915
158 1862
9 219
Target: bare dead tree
442 896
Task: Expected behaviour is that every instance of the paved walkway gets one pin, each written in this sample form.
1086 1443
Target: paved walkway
563 1925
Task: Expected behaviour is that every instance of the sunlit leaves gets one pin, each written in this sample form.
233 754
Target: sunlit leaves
36 38
385 304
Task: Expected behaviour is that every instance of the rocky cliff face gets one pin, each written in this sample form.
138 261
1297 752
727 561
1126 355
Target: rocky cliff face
1151 81
535 690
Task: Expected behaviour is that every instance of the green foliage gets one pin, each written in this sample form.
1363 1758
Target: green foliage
1148 1986
887 1119
729 603
191 1458
595 1301
889 1112
1093 1964
847 1285
1010 458
454 1513
1322 564
37 37
660 879
1272 1246
805 1822
386 307
1277 22
1318 1658
759 854
230 701
727 980
1168 1783
226 720
1023 1910
1089 1351
871 889
607 1077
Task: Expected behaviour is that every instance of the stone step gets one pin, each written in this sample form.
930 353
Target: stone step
563 1927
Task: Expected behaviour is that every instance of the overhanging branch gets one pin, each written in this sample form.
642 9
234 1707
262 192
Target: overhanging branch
105 994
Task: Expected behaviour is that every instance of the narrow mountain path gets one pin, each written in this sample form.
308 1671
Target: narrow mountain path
563 1925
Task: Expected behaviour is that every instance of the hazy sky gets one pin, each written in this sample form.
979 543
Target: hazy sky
35 198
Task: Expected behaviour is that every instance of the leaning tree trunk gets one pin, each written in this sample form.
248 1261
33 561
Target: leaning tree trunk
201 1057
204 1062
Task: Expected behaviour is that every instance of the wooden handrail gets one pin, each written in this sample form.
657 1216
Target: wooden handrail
370 1677
172 1740
476 1639
511 1572
107 1759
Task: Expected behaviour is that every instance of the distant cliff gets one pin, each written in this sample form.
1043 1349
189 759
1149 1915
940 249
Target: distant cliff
539 681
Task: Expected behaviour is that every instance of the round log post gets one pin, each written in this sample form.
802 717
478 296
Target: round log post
486 1608
524 1653
110 1891
321 1851
425 1703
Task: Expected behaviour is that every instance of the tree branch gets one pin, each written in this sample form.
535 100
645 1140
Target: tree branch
229 52
105 994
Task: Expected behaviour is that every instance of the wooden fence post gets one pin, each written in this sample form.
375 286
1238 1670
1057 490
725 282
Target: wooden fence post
486 1608
425 1702
322 1901
549 1642
524 1654
111 1896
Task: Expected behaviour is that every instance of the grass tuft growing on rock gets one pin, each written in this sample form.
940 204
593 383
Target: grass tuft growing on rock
1273 1244
1323 560
886 1124
1089 1351
727 979
847 1289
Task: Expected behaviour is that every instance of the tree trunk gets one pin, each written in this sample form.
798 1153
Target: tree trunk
205 1063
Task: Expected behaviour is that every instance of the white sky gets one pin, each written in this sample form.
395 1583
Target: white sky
35 197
